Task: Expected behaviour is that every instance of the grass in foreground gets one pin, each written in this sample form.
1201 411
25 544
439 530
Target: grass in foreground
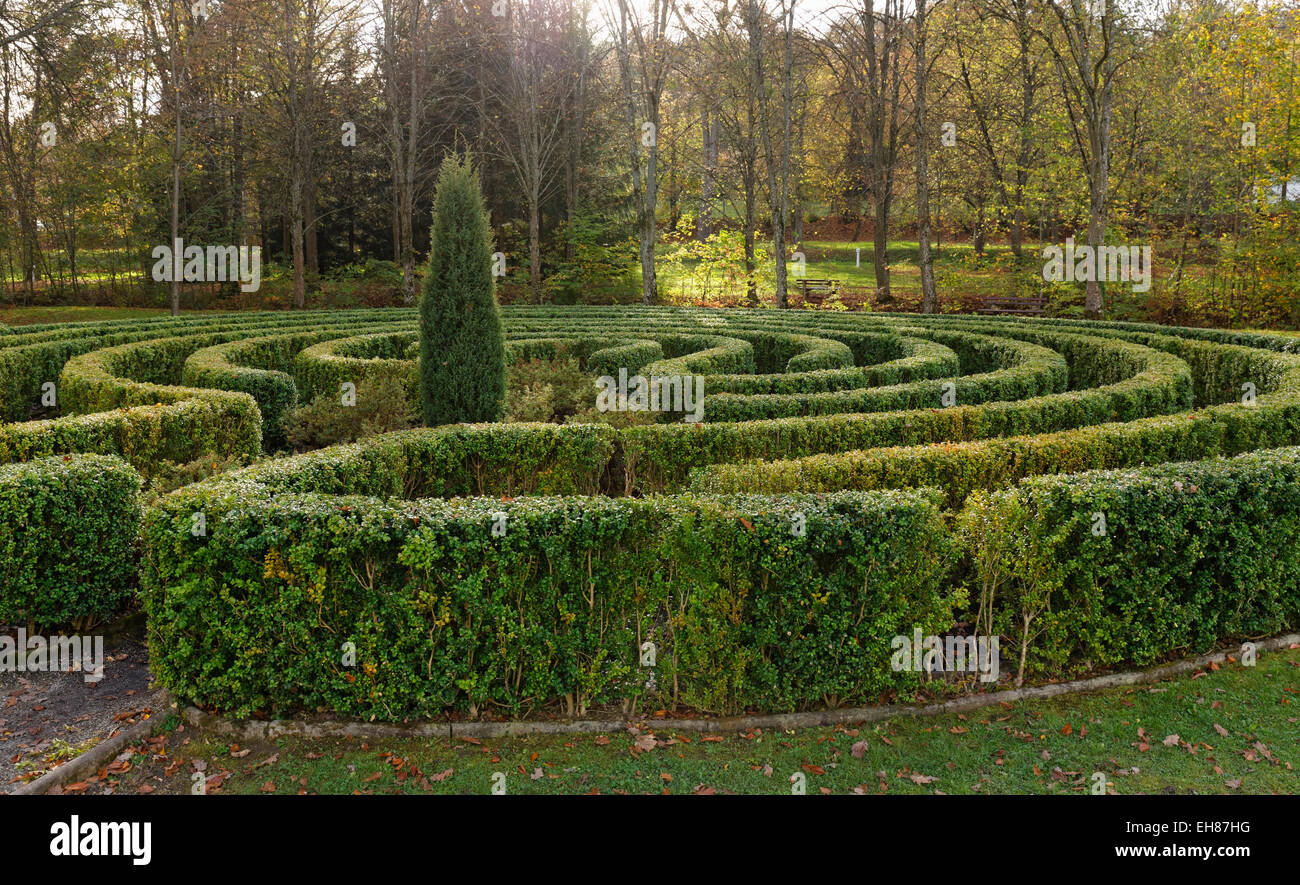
1226 730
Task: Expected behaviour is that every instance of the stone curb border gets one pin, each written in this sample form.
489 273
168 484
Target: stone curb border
97 756
250 729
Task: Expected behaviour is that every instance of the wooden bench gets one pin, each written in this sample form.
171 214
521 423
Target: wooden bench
1019 305
815 291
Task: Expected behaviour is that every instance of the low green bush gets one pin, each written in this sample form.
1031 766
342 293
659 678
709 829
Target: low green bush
548 391
383 403
67 538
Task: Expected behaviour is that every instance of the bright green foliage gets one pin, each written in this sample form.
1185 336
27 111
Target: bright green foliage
1111 567
462 357
67 538
383 403
823 413
743 612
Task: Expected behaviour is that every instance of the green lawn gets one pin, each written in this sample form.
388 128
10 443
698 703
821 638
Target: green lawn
26 316
962 279
1221 731
958 270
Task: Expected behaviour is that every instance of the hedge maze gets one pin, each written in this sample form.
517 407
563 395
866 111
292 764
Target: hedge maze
1096 494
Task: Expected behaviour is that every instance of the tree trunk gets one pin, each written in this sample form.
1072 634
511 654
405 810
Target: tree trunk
1026 138
535 246
297 237
1093 302
649 283
929 299
709 137
408 175
781 187
310 230
176 167
880 241
1018 225
751 284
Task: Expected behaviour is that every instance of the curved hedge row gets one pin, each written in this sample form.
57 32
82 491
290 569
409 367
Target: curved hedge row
260 367
1017 369
882 358
446 614
838 493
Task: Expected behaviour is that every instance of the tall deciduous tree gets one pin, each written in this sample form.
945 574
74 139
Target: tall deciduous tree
645 56
404 62
534 92
299 57
778 153
921 135
867 47
1087 51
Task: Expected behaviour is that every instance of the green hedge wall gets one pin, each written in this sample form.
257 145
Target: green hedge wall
961 467
454 460
1189 554
894 359
322 368
67 538
702 355
261 368
446 615
660 456
745 613
353 534
1018 370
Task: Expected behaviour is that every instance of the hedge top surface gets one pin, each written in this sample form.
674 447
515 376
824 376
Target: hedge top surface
778 386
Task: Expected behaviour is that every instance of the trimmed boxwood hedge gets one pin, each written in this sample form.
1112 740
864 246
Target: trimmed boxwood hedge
661 456
452 616
453 460
446 615
259 367
1016 370
67 538
891 359
1189 554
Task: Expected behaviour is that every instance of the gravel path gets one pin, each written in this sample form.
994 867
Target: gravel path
43 712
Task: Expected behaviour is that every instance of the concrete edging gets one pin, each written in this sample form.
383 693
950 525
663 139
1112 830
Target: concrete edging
252 729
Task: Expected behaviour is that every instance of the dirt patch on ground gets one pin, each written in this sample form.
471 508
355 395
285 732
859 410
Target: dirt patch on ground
49 717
